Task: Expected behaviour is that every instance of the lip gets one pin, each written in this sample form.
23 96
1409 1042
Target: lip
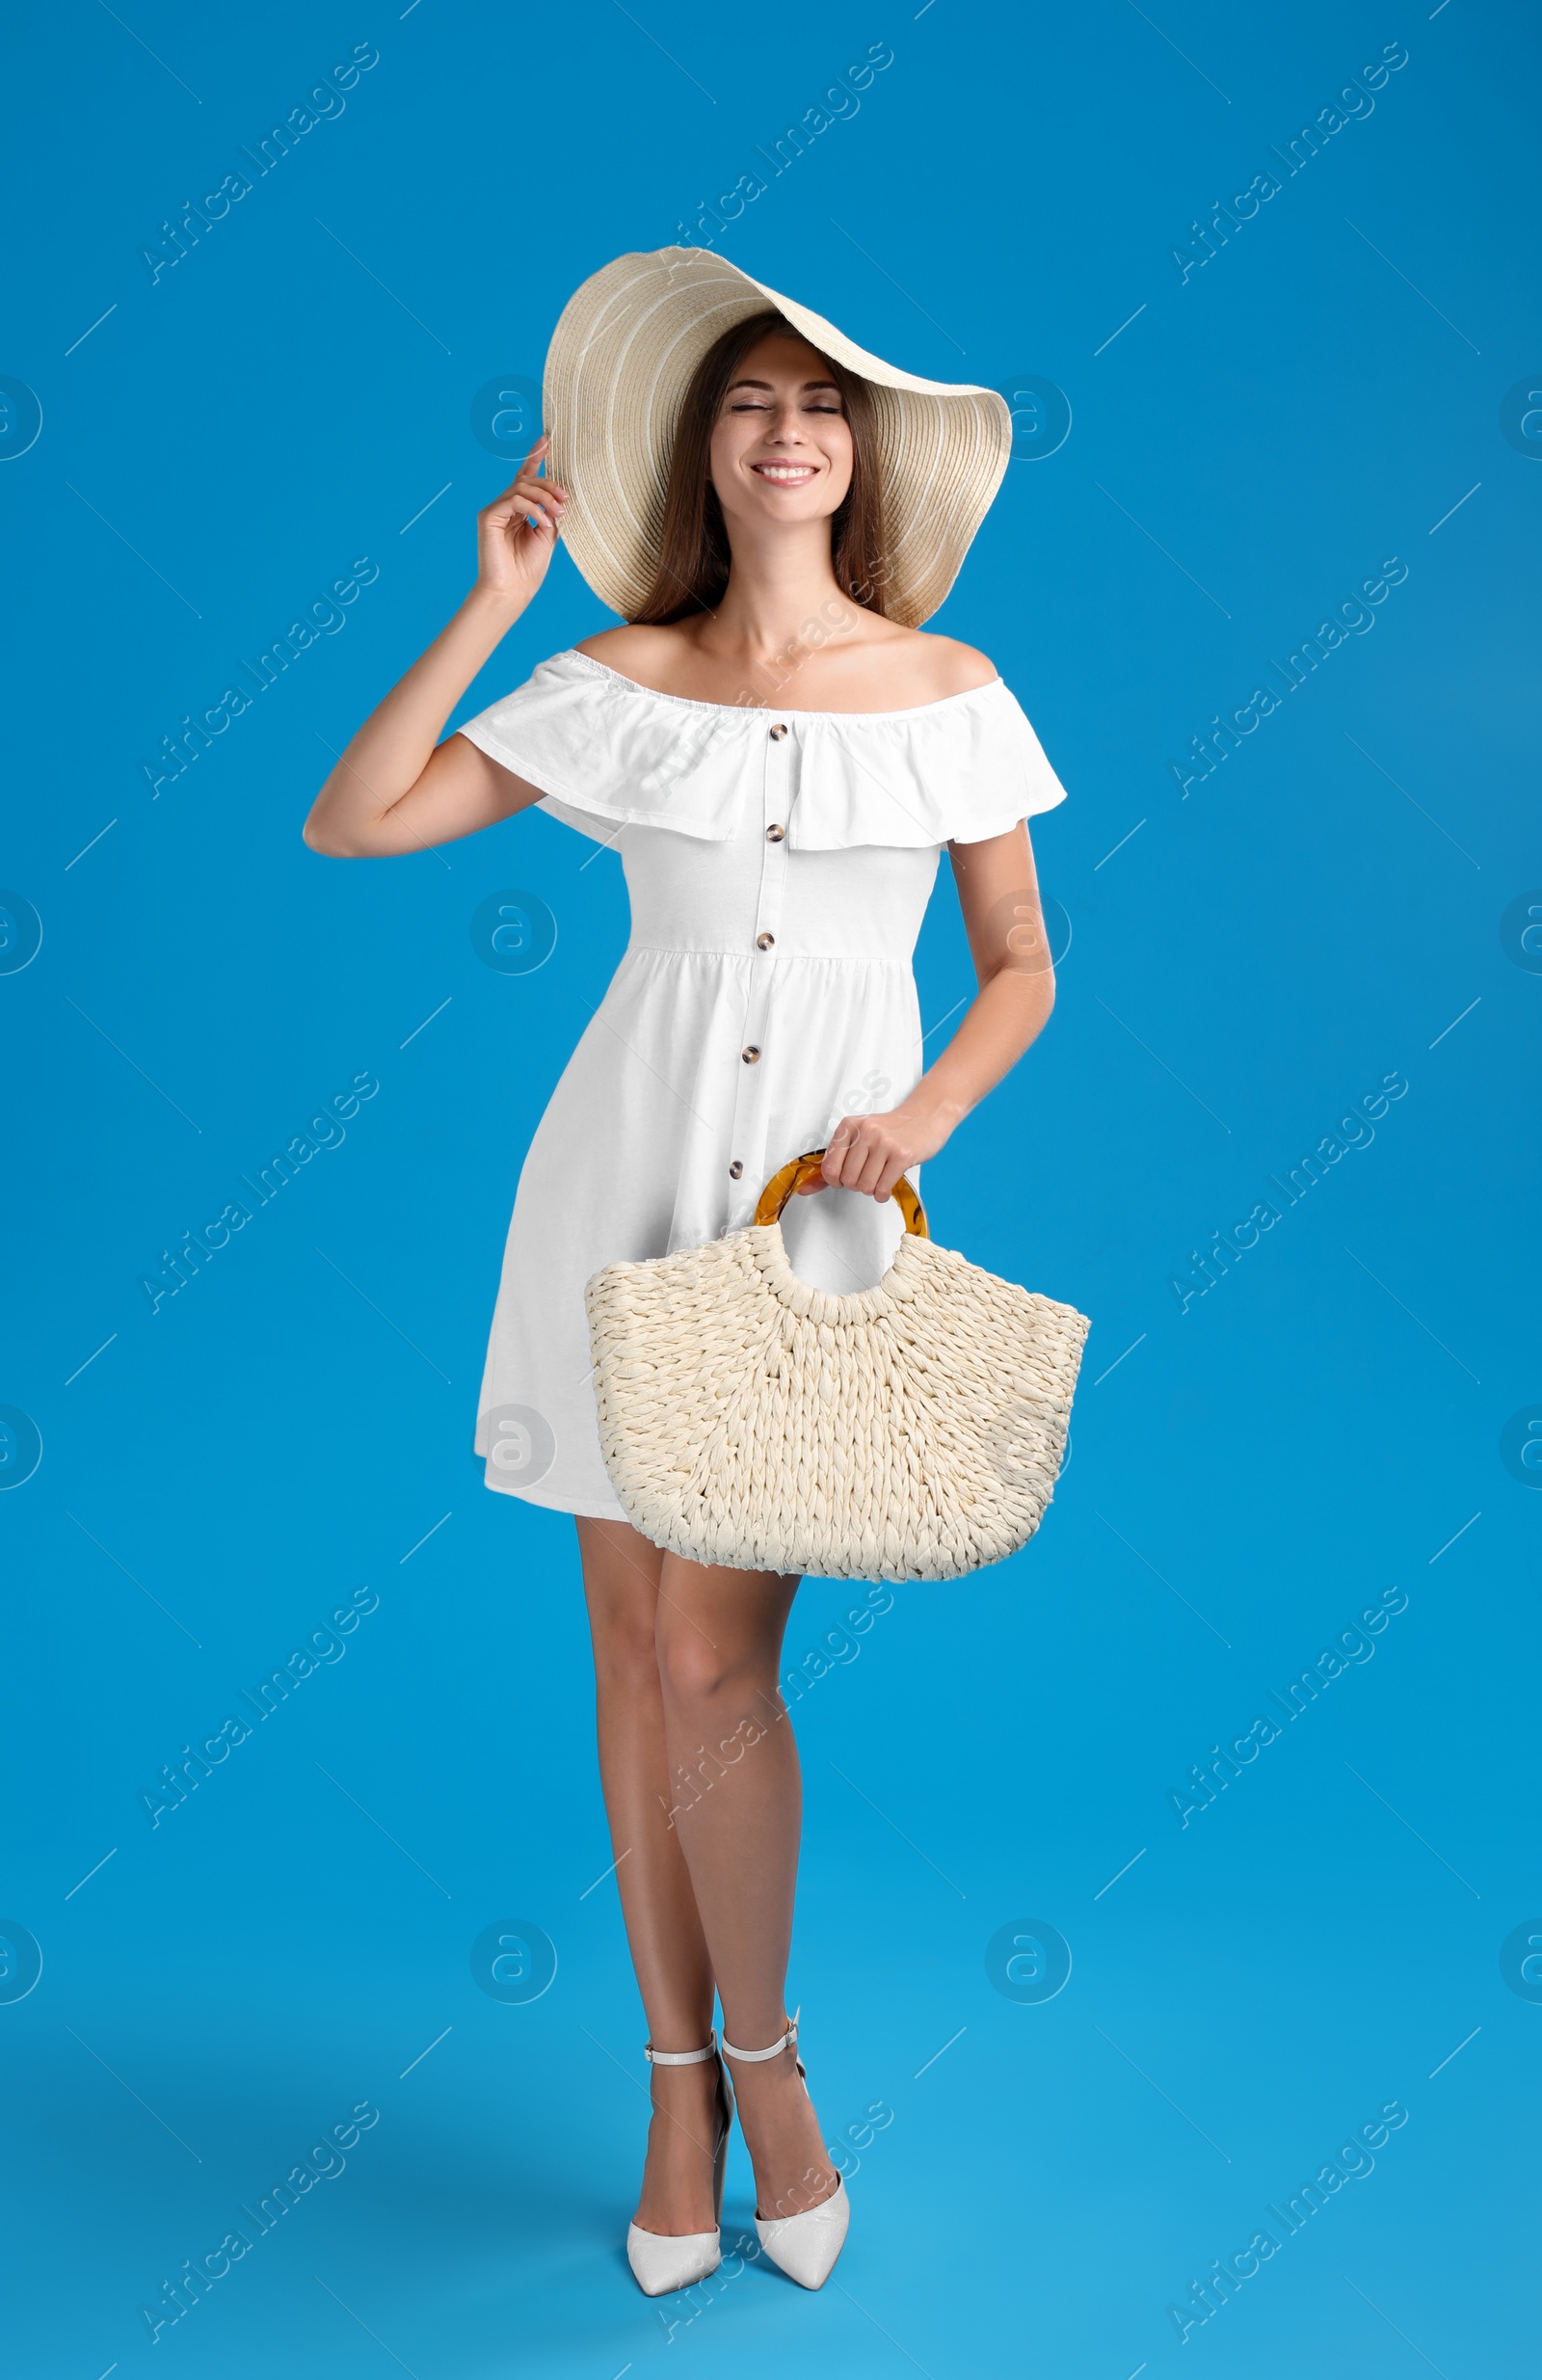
785 474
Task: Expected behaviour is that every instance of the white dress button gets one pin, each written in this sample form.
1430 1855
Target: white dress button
777 733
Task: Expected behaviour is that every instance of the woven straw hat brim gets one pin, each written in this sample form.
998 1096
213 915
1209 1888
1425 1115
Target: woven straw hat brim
617 372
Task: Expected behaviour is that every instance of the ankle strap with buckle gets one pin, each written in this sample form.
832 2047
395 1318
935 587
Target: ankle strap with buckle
682 2057
754 2057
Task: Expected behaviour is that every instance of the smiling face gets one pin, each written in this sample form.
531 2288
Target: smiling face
781 447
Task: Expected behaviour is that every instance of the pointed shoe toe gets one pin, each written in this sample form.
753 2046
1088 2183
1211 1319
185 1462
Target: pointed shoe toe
806 2246
666 2260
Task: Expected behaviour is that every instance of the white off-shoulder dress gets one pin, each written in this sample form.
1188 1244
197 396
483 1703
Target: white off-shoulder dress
778 864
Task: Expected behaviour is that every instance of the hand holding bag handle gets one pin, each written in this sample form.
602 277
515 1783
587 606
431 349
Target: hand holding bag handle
914 1429
784 1185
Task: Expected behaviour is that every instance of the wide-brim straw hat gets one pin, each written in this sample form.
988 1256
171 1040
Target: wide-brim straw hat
617 369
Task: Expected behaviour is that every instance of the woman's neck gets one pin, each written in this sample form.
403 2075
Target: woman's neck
781 590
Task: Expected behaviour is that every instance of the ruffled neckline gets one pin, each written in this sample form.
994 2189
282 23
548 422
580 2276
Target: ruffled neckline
757 712
606 748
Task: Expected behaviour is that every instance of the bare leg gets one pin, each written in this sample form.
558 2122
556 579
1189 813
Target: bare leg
737 1809
669 1950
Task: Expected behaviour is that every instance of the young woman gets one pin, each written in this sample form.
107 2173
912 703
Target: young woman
779 756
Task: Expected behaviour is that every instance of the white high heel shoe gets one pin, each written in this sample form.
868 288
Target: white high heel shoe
805 2245
666 2260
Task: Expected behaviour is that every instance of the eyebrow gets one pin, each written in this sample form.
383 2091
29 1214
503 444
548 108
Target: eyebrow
765 384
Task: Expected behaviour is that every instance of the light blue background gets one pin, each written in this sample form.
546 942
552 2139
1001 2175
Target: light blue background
215 452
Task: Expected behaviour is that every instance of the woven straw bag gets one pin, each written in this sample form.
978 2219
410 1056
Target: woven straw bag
911 1430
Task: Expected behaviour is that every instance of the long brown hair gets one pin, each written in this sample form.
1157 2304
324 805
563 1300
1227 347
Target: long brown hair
692 571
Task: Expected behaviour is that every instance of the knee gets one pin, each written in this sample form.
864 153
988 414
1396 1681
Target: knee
692 1671
627 1656
704 1682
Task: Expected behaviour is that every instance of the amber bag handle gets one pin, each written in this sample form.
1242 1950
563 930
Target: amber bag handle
783 1185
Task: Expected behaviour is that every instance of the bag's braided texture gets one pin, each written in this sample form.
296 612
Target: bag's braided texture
911 1430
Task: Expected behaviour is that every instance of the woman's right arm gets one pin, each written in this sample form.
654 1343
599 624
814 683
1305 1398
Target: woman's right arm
396 788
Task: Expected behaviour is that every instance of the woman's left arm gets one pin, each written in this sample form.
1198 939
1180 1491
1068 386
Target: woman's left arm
999 893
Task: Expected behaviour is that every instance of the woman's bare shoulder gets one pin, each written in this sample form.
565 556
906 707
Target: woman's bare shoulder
643 653
940 665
